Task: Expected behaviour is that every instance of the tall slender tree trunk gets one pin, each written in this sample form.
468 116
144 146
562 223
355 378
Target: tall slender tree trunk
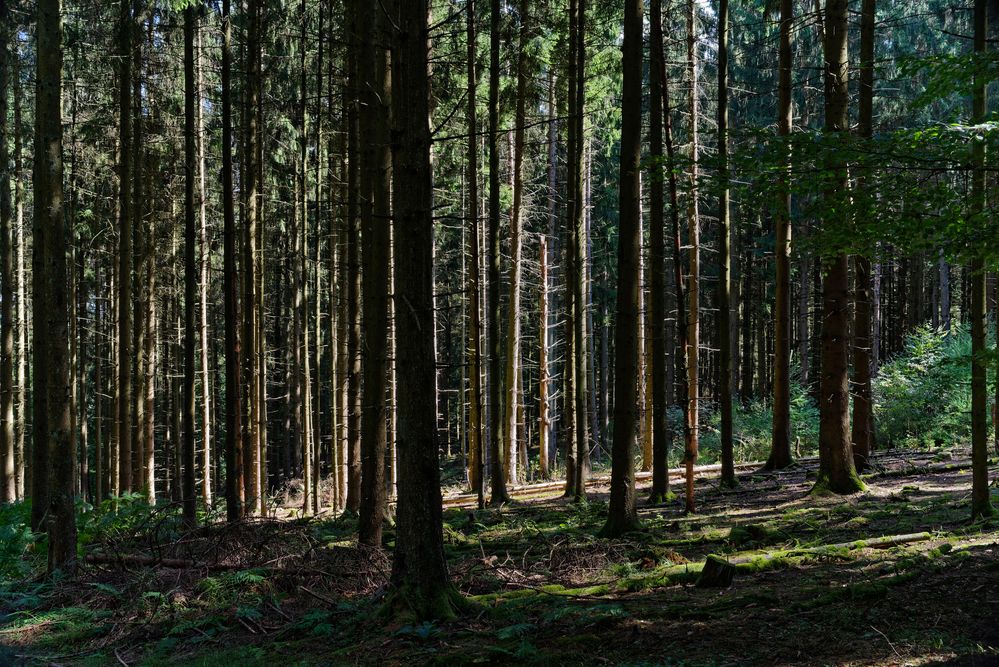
376 174
124 386
724 321
498 492
233 366
577 223
20 458
353 275
8 485
419 570
473 287
205 265
981 505
513 366
190 270
780 448
836 469
52 339
657 259
622 515
694 271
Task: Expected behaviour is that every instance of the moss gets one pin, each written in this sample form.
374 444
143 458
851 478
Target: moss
825 485
405 604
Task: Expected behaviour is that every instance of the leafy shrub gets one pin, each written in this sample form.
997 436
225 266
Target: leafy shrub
923 396
16 539
752 427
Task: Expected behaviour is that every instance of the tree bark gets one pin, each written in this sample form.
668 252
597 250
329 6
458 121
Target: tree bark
8 485
837 473
419 570
497 478
51 340
780 448
190 271
622 515
376 172
694 271
233 366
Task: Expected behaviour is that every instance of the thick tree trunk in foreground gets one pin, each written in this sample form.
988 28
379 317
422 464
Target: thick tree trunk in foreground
836 469
52 339
622 516
419 571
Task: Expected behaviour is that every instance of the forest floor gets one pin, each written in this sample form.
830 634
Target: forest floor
813 583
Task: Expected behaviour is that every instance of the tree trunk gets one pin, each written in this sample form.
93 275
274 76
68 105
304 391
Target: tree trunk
206 384
353 274
780 448
190 270
498 492
8 486
724 323
836 468
51 340
621 515
657 259
475 458
233 367
419 571
376 172
981 505
513 370
124 388
694 242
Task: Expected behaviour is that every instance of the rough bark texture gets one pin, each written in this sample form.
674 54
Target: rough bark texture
657 259
420 580
8 486
836 469
233 411
497 477
780 448
980 502
376 166
622 516
190 269
52 339
476 458
724 322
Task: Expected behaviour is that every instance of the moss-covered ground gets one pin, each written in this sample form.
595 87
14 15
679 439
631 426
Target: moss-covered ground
813 584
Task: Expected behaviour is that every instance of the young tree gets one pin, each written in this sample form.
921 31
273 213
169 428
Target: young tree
836 469
51 340
419 570
622 516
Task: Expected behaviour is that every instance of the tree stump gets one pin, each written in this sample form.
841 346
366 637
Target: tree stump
717 573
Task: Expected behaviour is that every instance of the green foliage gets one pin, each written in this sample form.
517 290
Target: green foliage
16 540
923 397
752 425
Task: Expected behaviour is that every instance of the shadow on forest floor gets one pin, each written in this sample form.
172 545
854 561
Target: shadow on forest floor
546 590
